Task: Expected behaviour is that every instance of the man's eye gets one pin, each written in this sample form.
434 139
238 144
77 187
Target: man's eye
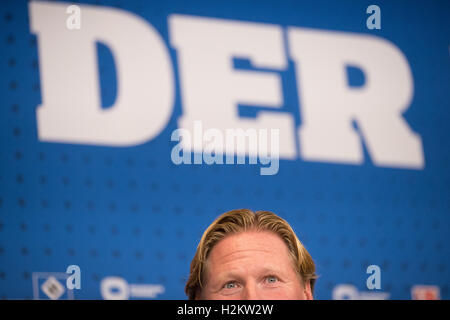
230 285
272 279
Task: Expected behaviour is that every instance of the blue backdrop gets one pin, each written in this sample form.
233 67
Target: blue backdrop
129 212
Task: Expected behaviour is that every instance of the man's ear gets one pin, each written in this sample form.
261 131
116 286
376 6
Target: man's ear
307 290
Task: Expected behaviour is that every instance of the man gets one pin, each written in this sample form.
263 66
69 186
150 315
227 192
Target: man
251 255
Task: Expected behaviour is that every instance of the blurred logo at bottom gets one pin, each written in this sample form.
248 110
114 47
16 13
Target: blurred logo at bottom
423 292
350 292
117 288
51 285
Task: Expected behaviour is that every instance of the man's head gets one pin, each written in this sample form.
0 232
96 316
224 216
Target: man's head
250 255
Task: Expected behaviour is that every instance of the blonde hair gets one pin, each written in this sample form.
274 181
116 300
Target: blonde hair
236 221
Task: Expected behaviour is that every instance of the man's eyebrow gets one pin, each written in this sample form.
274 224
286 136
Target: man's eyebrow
271 269
229 275
226 275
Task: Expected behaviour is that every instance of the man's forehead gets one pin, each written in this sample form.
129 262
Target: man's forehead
248 242
241 253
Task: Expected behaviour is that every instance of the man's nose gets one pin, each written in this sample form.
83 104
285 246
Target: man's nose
251 292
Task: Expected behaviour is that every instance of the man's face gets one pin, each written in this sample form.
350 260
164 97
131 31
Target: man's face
253 265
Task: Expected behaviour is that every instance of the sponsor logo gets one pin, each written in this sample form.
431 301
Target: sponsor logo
51 285
424 292
117 288
350 292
